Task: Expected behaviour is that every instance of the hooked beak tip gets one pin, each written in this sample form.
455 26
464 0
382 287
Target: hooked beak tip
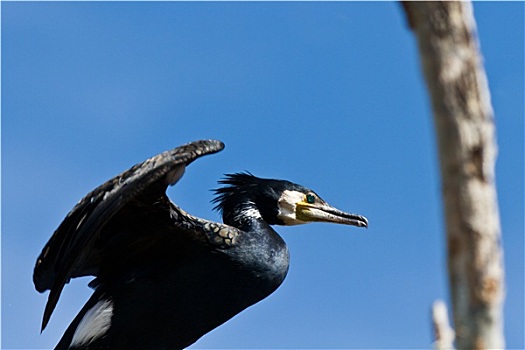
363 222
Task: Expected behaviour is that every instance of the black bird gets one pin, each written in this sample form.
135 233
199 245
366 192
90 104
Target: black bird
164 278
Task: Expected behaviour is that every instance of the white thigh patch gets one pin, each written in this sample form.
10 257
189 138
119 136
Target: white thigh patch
94 324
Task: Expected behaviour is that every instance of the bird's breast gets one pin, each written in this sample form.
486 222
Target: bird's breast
181 303
264 257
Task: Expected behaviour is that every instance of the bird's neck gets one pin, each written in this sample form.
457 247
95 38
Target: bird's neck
245 216
262 247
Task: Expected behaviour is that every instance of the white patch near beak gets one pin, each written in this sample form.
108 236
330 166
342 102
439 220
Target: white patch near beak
287 207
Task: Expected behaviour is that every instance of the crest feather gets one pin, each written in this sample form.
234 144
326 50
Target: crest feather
231 182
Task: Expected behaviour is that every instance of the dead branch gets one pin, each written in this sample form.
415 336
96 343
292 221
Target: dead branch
463 117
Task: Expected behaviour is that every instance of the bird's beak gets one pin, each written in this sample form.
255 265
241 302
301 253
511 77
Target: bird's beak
322 212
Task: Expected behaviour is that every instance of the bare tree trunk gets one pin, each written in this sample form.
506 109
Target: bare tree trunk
463 117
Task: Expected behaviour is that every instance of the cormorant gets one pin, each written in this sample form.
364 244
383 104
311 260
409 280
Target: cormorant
164 278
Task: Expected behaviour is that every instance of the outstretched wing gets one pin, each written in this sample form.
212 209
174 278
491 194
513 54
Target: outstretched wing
64 255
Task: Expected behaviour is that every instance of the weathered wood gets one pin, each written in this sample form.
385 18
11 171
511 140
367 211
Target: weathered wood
463 117
443 334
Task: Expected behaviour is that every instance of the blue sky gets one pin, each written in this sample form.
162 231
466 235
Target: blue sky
328 95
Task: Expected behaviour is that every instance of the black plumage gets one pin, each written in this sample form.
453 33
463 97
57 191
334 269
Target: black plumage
164 278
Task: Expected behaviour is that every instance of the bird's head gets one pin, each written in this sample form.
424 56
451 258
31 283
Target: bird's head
278 202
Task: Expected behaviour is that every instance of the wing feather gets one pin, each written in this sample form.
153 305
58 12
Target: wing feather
67 253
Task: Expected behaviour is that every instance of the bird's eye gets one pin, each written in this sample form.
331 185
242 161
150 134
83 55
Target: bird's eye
310 198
